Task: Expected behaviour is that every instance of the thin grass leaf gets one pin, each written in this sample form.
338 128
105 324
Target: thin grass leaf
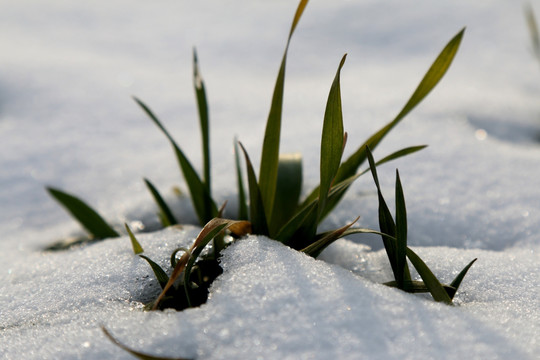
202 106
288 189
137 248
332 139
459 278
242 204
257 213
200 197
160 274
401 235
85 215
137 354
173 255
415 287
434 286
166 215
318 246
270 151
305 218
435 73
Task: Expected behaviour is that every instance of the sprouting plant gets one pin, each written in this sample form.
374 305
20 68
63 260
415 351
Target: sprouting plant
394 237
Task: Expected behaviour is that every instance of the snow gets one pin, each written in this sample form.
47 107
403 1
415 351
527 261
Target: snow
67 119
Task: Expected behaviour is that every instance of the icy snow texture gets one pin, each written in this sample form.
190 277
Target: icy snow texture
66 119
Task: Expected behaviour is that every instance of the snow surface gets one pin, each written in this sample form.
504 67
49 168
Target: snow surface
66 119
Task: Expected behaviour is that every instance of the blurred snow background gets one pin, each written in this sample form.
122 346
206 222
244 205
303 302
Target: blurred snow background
67 72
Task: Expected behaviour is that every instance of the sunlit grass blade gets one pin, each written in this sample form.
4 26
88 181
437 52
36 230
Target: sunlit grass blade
401 235
418 287
137 248
202 105
242 204
270 150
166 215
288 189
332 139
430 80
160 274
135 353
204 206
459 278
85 215
434 286
257 214
318 246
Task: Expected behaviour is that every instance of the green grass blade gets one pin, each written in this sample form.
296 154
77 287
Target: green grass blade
430 80
202 105
457 281
256 206
270 151
288 189
315 248
135 353
533 30
166 214
242 204
302 224
85 215
435 287
401 235
202 202
160 274
332 139
137 248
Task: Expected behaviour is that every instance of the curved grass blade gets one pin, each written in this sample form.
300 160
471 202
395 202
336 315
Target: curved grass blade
257 213
401 236
85 215
200 197
288 189
137 354
242 204
270 151
432 283
137 248
160 274
459 278
166 215
202 105
315 248
332 139
304 222
414 287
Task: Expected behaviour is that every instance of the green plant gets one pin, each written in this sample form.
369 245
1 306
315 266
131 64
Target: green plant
533 30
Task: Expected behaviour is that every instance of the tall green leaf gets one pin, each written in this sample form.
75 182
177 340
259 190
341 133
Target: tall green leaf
257 214
332 139
401 235
202 105
435 287
242 205
288 189
459 278
204 206
85 215
166 214
270 151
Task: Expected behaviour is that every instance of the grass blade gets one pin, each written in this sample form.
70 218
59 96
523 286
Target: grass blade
202 105
288 189
202 202
166 214
137 248
85 215
332 139
434 286
242 204
137 354
257 213
533 30
302 224
160 274
401 235
318 246
270 151
457 281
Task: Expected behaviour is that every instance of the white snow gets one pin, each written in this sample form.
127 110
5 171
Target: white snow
67 72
